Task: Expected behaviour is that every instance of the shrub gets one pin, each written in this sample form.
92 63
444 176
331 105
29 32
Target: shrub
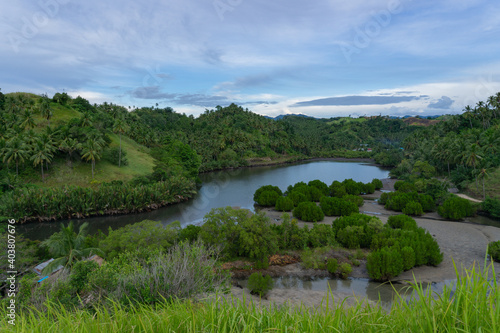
259 284
369 188
332 265
267 198
320 186
350 236
408 257
290 236
145 234
384 264
402 222
222 227
359 201
456 208
297 198
344 270
398 200
492 206
315 193
494 250
377 183
321 235
330 206
337 207
427 202
413 208
316 258
309 212
266 188
337 189
383 198
256 238
80 273
353 187
403 186
189 233
284 204
184 270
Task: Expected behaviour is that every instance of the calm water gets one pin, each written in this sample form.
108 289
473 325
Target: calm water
224 188
362 288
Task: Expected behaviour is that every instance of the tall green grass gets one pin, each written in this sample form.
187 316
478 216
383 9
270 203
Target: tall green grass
474 306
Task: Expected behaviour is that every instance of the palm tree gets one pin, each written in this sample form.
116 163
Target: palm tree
29 120
42 153
86 120
69 145
45 110
468 114
91 150
472 158
120 127
483 173
15 150
67 246
46 139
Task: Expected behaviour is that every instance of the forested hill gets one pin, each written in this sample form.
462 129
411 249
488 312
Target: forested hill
84 143
463 148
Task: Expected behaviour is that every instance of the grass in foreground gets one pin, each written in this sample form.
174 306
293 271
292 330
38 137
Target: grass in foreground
473 307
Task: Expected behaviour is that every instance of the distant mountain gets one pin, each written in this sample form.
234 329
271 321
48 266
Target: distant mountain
281 116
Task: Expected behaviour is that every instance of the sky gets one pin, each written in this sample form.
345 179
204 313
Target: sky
323 58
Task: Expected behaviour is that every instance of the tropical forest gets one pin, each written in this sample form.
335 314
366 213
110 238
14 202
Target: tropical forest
425 214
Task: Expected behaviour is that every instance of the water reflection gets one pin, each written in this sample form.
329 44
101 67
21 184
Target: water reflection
384 293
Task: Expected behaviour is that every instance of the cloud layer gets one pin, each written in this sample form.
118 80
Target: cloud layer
323 58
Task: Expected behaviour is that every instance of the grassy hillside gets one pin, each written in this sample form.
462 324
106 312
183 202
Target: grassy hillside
79 172
491 186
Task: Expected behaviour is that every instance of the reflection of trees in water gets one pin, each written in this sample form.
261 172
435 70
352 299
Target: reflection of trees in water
340 285
288 282
307 284
386 292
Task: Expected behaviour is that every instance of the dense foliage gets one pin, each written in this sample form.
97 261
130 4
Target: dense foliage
309 212
260 284
464 148
239 233
456 208
142 276
141 235
74 201
494 250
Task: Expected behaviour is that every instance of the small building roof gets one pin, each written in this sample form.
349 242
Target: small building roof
38 269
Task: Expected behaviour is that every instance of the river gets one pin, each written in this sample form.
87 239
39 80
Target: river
223 188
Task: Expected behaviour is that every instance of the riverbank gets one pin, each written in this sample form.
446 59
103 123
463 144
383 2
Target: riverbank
268 161
462 244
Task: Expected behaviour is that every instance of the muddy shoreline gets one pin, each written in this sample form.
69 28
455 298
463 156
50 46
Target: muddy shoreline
463 245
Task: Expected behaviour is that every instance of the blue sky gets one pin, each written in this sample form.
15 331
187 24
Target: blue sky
321 58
